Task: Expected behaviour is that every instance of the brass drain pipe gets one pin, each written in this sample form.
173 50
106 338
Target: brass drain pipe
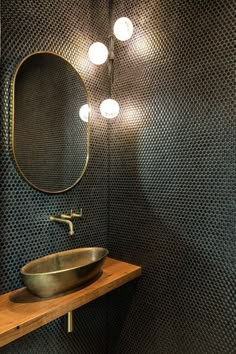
70 322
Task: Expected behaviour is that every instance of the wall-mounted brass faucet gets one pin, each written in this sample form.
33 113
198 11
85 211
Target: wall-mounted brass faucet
66 219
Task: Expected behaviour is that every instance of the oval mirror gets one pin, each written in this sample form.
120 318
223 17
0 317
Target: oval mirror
50 122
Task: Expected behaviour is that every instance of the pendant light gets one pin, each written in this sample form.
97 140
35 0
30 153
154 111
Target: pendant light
123 28
98 54
109 108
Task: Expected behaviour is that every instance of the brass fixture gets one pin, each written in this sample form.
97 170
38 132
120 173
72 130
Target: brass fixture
59 218
70 322
66 219
59 272
72 215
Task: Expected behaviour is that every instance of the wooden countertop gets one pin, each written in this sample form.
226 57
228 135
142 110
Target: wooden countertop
22 313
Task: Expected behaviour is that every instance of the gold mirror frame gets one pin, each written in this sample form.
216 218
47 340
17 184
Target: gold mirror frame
12 121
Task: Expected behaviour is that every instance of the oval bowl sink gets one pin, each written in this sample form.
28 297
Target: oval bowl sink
63 271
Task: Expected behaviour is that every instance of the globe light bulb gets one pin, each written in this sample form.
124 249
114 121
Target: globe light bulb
84 112
98 53
123 28
109 108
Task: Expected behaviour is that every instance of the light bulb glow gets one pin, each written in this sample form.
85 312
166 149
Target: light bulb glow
98 53
84 112
109 108
123 28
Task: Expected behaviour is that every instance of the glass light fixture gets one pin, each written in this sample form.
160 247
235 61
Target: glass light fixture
109 108
98 53
123 28
84 112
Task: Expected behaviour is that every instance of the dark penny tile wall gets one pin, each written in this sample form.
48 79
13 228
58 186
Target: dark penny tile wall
171 199
172 178
67 28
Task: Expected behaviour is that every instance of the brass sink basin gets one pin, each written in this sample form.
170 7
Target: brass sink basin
63 271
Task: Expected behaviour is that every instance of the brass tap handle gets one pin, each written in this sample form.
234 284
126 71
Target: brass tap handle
77 215
72 215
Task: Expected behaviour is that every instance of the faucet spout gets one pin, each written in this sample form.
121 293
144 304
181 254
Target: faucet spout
64 221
